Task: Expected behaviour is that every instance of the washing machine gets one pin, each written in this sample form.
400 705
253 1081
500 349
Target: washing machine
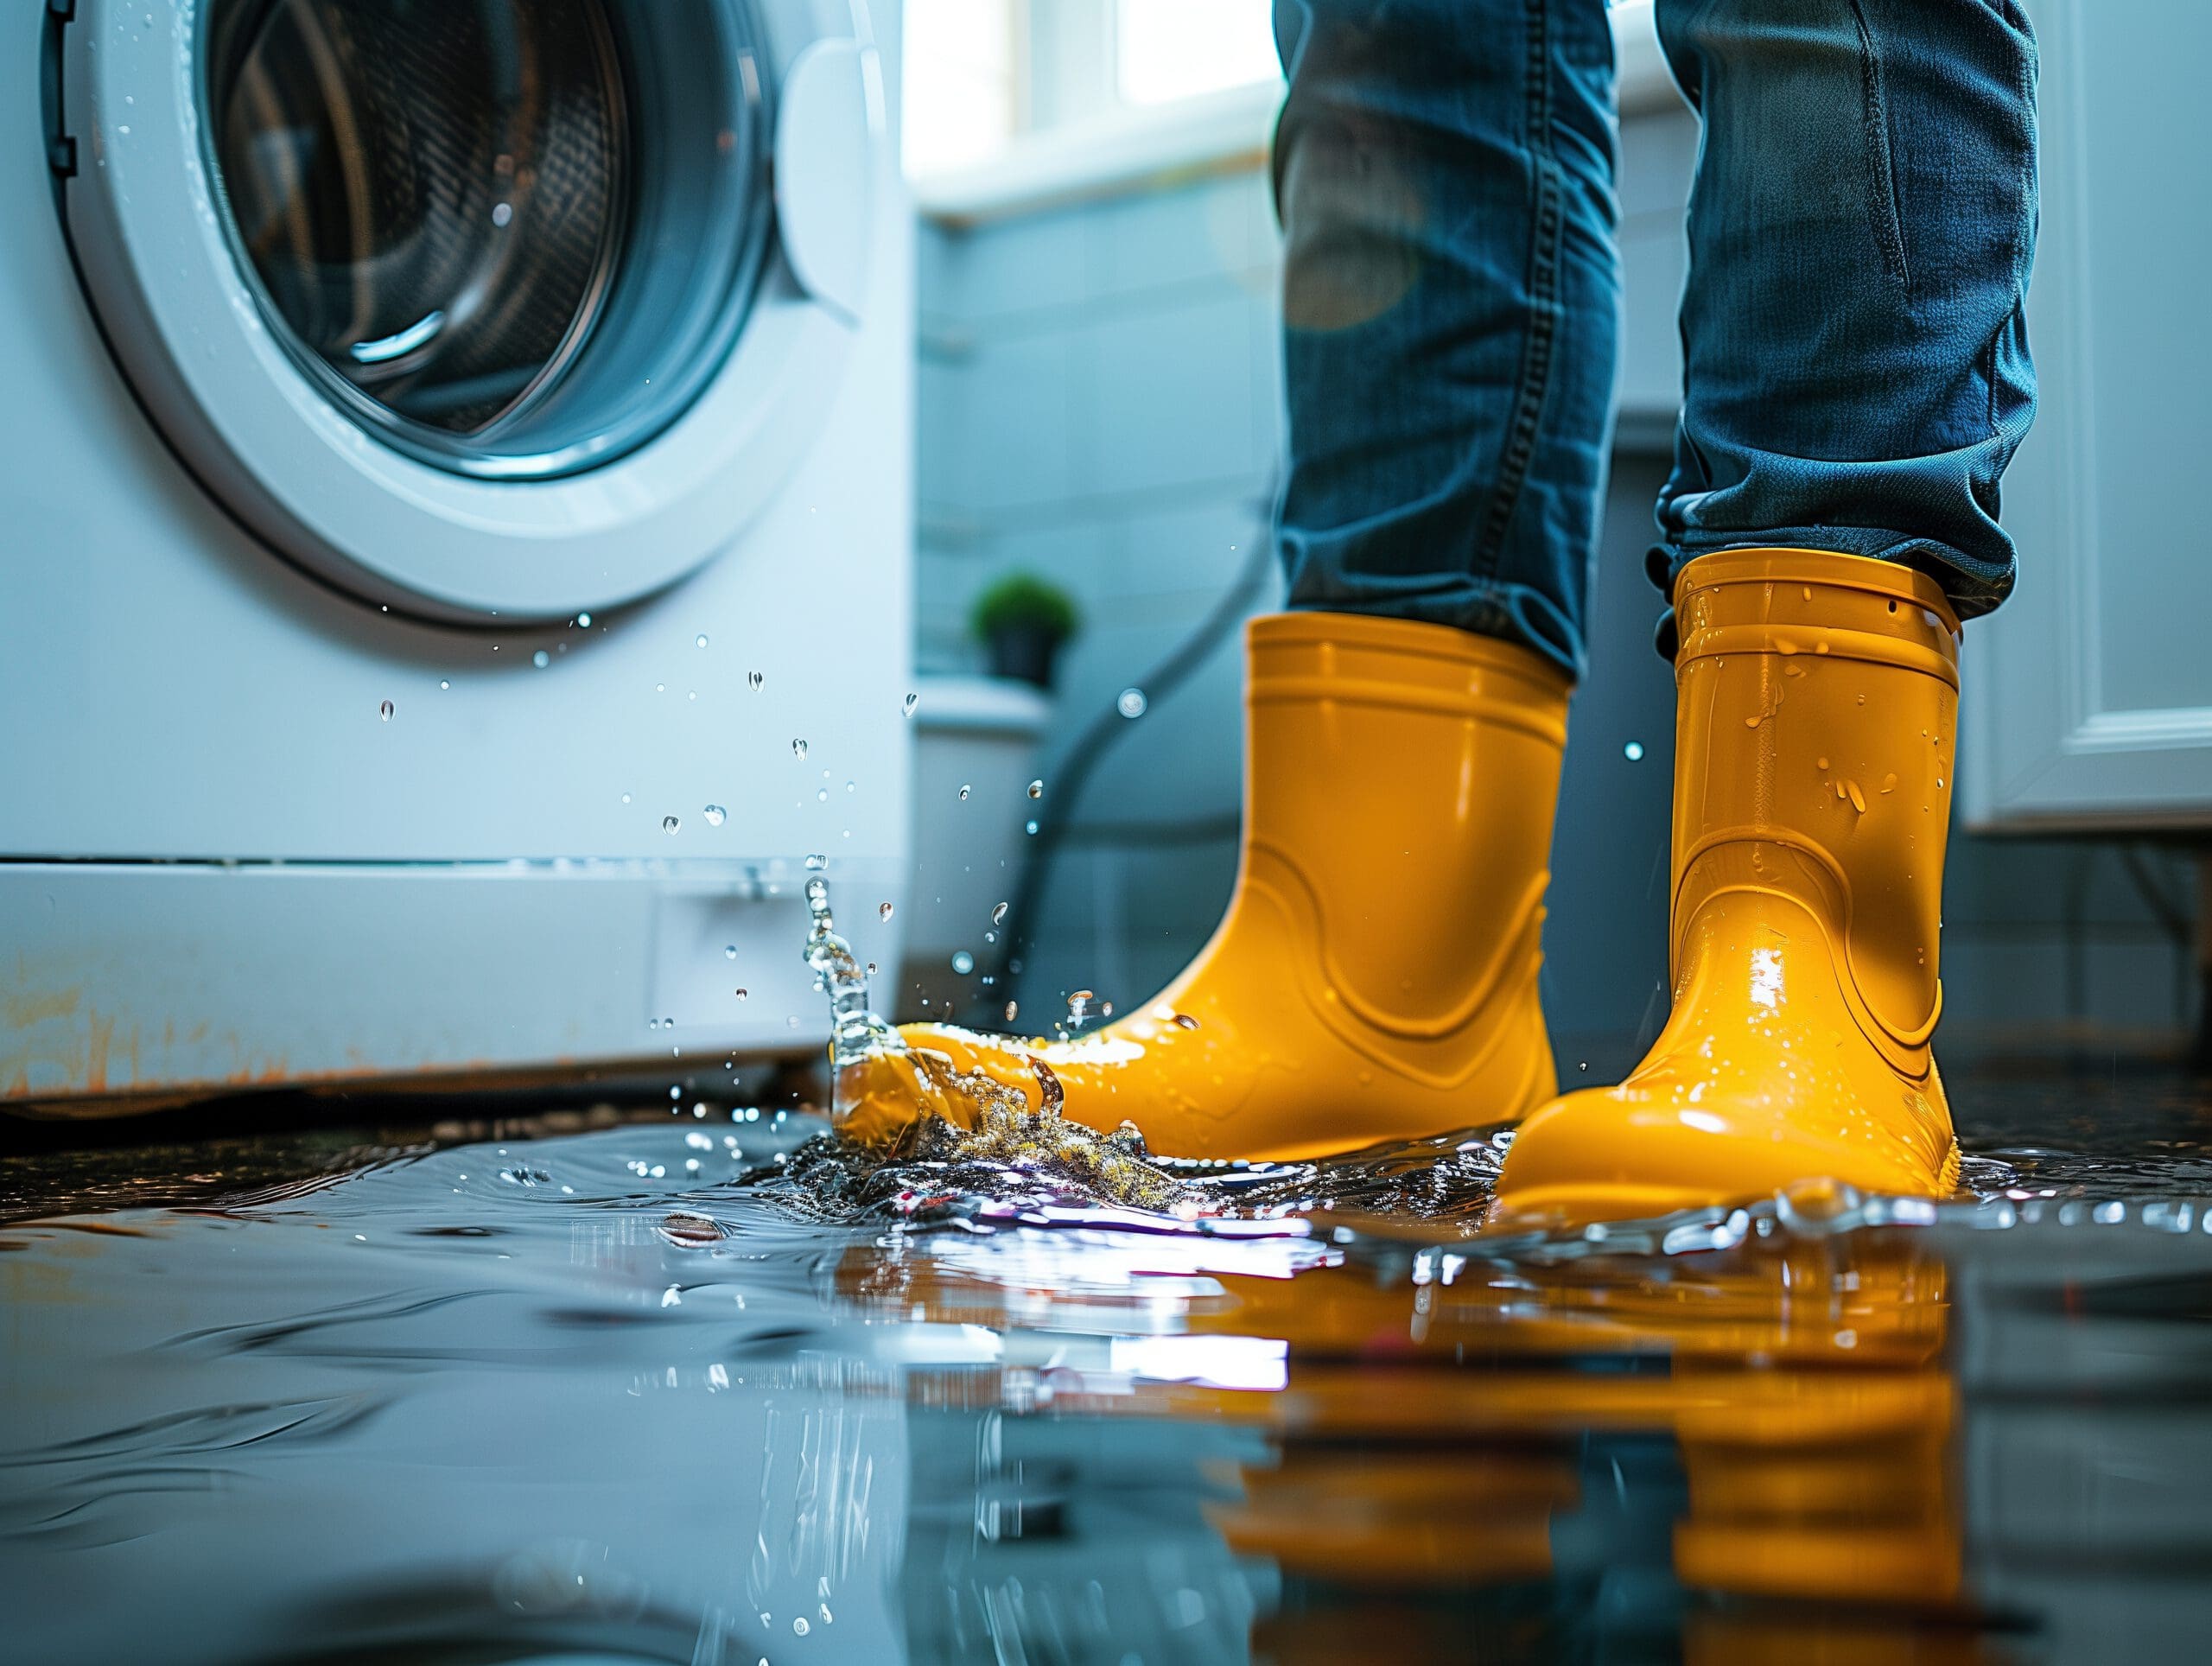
455 531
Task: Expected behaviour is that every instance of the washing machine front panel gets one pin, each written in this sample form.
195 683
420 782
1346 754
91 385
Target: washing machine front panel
223 863
611 409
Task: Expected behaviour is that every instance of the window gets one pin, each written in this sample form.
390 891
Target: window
960 90
980 74
1170 49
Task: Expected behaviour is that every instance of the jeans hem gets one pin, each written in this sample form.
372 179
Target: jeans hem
1972 585
1503 611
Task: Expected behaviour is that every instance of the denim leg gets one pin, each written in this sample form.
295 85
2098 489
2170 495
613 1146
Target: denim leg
1860 234
1451 291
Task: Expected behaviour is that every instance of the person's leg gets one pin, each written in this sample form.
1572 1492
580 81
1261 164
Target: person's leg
1855 350
1858 377
1444 174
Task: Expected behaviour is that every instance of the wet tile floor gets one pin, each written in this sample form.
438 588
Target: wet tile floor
549 1391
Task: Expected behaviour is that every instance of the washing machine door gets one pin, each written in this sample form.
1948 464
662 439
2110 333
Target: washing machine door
476 307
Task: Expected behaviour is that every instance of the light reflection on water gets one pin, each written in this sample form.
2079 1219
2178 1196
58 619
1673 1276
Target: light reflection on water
565 1398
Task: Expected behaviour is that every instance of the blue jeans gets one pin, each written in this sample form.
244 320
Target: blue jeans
1856 363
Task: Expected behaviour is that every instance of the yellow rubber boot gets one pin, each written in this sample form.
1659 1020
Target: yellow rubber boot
1816 700
1376 974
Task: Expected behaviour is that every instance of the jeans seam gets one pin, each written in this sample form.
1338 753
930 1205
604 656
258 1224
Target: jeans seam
2023 253
1881 163
1543 298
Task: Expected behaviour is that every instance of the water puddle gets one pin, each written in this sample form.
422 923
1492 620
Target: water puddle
720 1389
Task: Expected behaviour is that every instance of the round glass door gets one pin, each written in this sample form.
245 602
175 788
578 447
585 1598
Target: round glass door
512 237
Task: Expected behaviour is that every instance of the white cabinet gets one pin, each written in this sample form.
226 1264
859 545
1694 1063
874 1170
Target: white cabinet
2089 694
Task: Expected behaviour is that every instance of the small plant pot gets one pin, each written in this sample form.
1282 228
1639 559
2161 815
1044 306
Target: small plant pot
1027 654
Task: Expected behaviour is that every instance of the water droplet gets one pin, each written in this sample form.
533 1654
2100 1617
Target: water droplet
883 911
1013 1011
541 660
716 815
699 641
1036 789
1030 827
814 864
443 684
1633 750
799 1627
502 213
625 797
822 795
755 679
741 994
669 824
964 790
730 951
906 706
963 963
583 621
1131 703
798 748
998 914
1185 1022
383 711
871 969
1079 1009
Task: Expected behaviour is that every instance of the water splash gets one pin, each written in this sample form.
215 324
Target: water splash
855 1033
958 1133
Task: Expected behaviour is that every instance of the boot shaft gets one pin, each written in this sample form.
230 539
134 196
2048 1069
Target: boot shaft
1816 717
1402 777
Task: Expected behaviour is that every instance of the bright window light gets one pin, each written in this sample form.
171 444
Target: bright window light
1170 49
962 86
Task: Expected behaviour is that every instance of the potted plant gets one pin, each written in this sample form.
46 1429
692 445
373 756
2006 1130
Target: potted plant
1022 620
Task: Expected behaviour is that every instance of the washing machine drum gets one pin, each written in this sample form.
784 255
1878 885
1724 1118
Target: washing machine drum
374 263
430 193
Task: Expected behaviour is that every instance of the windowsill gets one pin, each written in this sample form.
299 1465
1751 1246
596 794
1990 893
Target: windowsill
1221 132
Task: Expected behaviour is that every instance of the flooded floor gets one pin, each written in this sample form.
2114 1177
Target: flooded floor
664 1390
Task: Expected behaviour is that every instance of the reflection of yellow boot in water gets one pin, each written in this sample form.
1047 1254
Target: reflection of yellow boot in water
1376 977
1817 699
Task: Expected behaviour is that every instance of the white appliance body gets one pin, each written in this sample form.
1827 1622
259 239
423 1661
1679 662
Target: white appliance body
323 762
